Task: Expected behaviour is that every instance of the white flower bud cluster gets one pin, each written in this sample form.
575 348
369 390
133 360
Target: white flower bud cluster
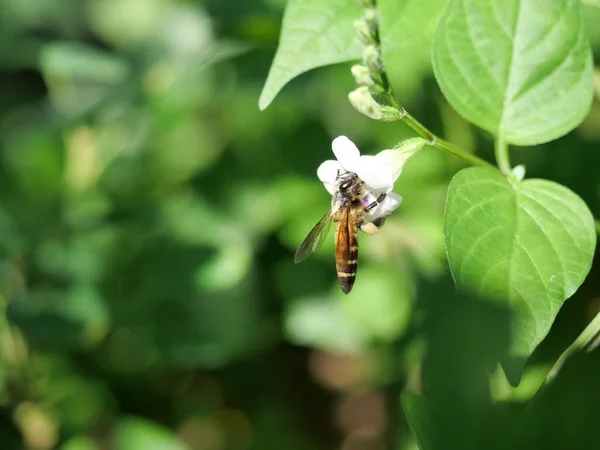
364 103
370 71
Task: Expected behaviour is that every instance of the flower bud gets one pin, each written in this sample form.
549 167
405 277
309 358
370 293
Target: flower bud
372 58
364 103
391 114
372 19
377 89
364 32
518 172
362 75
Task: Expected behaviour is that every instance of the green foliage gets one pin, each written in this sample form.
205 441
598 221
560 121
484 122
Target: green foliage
149 213
136 434
407 37
314 33
415 409
520 69
528 244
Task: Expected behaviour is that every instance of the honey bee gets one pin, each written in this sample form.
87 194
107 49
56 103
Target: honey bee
349 206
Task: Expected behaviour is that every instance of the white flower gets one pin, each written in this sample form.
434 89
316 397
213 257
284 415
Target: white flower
379 172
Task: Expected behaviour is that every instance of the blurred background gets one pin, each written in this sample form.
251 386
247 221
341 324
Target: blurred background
148 218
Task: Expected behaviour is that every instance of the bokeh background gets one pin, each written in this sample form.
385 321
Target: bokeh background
148 218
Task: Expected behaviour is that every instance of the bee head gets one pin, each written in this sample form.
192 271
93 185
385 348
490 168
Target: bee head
346 181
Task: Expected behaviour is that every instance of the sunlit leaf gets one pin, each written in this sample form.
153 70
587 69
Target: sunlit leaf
314 33
591 13
520 69
526 244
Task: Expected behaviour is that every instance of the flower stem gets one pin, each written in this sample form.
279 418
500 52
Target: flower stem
462 154
502 157
422 131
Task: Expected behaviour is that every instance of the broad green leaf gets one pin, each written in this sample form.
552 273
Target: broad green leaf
314 33
520 69
526 244
415 411
407 39
591 12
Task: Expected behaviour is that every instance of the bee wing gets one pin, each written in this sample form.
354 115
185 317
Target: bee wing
315 238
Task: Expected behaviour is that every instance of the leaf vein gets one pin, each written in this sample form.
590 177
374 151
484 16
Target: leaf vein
471 250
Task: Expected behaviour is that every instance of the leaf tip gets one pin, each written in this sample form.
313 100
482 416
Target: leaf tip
264 101
513 369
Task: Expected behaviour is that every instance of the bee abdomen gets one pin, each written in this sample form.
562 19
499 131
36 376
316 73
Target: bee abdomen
346 270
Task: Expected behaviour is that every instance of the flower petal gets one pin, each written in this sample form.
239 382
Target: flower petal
394 160
346 153
374 173
389 204
327 173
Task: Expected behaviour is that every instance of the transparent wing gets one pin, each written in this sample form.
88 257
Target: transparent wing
315 238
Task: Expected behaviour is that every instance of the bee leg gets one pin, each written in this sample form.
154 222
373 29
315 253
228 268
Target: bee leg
380 221
369 227
375 203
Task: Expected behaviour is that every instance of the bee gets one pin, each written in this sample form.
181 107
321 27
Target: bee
350 204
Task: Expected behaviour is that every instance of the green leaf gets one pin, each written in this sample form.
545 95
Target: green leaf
79 442
407 37
591 12
526 244
67 60
386 315
314 33
320 322
520 69
415 411
139 434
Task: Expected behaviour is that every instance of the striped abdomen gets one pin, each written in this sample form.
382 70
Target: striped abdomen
346 252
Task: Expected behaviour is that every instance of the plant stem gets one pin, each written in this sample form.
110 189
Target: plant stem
431 138
585 341
462 154
502 157
597 222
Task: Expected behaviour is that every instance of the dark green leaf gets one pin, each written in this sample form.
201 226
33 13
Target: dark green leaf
415 410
